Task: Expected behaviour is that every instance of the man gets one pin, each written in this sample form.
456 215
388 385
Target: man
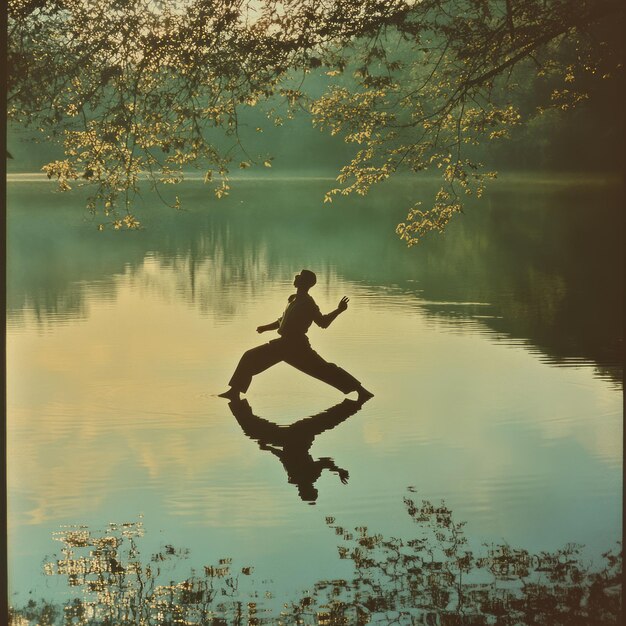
293 345
291 444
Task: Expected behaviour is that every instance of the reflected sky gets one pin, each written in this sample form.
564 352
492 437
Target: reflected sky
117 345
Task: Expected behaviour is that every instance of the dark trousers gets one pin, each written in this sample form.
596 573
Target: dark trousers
299 354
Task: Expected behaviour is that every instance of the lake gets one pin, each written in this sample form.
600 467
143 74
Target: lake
494 353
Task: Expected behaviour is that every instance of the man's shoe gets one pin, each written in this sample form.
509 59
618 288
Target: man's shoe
364 394
231 394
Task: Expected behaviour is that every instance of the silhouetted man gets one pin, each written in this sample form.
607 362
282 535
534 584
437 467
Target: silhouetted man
292 443
293 345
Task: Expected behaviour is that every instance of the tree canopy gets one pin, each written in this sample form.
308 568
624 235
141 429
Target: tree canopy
154 87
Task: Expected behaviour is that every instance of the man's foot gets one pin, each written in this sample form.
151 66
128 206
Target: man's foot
364 394
231 394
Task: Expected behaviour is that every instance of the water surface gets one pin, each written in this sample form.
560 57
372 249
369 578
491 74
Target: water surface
494 353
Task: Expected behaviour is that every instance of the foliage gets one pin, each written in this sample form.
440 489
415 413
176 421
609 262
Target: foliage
433 578
149 87
118 588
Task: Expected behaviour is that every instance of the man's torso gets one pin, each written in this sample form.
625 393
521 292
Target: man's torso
298 316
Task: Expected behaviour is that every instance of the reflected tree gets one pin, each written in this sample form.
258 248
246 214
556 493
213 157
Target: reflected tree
119 587
157 86
433 578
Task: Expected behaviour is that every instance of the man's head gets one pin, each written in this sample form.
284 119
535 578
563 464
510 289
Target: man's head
305 279
307 492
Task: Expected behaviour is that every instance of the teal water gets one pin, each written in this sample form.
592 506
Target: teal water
494 353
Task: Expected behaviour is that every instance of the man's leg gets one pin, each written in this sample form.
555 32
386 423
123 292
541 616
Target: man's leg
254 362
310 362
261 430
310 427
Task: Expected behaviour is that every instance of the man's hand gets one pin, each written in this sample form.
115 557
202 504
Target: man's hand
261 329
343 304
344 475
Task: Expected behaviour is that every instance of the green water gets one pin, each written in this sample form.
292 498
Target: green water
494 353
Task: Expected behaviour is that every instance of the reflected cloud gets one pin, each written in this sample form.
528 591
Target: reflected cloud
292 444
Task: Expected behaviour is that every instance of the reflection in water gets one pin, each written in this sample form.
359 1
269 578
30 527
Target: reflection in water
292 444
507 439
433 578
539 255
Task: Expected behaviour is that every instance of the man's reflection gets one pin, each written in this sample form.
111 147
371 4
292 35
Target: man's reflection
291 444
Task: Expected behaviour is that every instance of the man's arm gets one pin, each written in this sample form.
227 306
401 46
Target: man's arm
329 464
272 326
324 321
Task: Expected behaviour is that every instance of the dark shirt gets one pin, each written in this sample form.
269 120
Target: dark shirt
300 313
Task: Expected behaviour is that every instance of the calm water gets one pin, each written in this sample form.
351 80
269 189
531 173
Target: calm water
494 353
